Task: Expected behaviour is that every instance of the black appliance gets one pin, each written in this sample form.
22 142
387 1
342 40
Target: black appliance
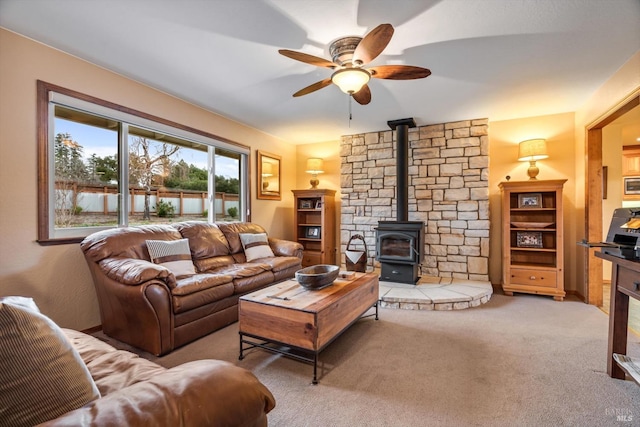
623 238
400 250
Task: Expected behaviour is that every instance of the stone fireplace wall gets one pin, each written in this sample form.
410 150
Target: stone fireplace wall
448 190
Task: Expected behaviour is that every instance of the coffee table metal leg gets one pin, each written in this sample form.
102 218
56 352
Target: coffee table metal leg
315 368
241 356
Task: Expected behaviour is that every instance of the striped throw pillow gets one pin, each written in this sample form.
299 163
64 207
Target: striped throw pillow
172 254
255 245
41 375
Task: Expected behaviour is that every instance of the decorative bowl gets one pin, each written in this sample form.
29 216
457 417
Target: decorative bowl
317 276
531 224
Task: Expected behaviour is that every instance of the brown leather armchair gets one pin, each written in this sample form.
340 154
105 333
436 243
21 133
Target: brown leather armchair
137 392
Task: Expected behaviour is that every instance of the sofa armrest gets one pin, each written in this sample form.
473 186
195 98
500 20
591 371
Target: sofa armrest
131 271
282 247
199 393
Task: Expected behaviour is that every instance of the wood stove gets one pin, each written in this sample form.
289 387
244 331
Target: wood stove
400 250
400 243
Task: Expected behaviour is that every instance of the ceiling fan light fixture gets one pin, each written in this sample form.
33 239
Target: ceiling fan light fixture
349 55
351 80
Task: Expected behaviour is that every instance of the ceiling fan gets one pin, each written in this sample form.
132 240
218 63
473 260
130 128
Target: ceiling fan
350 55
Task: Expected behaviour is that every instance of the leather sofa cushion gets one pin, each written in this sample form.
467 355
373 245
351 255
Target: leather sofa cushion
239 258
242 285
281 263
89 349
205 240
232 232
206 264
199 290
111 369
135 271
243 270
199 282
129 242
285 247
281 275
195 315
182 303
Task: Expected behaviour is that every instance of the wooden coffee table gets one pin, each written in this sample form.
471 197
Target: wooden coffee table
288 319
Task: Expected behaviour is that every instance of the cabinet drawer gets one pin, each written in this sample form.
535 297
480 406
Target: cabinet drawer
628 282
533 277
311 258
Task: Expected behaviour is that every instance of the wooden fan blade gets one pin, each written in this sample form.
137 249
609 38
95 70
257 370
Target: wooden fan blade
307 59
314 87
372 44
363 96
399 72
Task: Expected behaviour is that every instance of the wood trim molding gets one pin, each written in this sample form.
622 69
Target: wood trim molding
49 87
42 119
627 104
593 211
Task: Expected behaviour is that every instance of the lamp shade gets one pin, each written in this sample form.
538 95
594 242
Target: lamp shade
532 149
351 80
314 166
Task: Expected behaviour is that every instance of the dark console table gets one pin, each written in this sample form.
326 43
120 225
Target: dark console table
625 283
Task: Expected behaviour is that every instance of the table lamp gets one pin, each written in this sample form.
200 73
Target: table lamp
532 150
314 167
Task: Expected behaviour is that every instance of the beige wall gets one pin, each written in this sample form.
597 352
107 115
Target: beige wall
57 276
504 137
329 152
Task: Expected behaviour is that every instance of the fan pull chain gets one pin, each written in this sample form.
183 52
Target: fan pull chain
350 116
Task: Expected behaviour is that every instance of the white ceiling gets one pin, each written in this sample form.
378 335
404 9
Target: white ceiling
496 59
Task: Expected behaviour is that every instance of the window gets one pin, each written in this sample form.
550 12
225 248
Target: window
102 165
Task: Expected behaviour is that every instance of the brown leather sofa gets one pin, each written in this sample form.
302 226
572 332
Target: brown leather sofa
143 304
137 392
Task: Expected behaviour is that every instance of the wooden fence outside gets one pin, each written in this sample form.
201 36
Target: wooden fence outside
103 199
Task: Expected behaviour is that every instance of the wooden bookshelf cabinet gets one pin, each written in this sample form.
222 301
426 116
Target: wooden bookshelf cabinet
532 237
315 225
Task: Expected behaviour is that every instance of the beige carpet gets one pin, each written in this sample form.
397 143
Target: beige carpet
515 361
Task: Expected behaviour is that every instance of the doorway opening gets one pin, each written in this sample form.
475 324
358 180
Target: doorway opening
593 195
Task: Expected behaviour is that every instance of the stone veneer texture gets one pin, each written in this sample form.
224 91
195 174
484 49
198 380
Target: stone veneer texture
448 190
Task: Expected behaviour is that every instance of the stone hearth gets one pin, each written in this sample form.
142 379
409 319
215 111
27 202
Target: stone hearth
435 293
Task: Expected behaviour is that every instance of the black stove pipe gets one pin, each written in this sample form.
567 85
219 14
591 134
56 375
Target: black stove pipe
402 165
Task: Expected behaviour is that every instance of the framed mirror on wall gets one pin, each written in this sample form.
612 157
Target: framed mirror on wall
268 177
